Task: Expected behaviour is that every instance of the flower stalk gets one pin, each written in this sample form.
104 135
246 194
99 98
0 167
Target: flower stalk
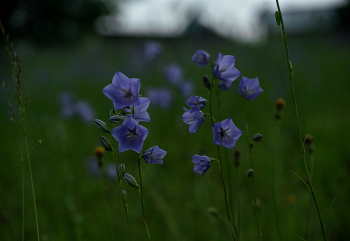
220 167
290 74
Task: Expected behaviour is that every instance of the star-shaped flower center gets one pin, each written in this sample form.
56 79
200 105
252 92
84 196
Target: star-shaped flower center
127 94
132 133
247 90
223 133
223 68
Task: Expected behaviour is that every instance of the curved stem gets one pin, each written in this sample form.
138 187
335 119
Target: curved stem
120 186
250 145
290 74
273 183
220 160
31 180
140 192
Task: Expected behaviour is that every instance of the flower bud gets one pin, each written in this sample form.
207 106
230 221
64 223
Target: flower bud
278 18
102 126
206 82
257 137
106 144
249 173
131 180
117 119
121 170
111 113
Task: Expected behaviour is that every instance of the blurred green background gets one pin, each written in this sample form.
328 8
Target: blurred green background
69 194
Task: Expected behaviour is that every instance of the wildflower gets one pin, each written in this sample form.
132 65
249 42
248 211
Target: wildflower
186 88
123 91
173 73
224 68
280 104
110 171
249 88
224 85
201 163
201 57
309 143
225 133
194 119
67 106
140 113
85 111
154 155
130 135
161 97
152 50
196 103
99 152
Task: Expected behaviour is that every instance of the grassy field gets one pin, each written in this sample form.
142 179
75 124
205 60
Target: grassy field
70 200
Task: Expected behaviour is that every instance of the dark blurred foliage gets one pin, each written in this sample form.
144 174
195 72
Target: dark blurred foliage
50 21
344 16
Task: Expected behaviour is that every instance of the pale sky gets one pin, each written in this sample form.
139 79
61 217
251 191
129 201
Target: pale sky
236 19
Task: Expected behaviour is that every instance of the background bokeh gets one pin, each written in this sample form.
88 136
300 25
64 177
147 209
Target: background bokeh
64 77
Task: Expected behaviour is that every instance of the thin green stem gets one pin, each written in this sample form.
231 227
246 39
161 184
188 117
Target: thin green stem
107 217
120 186
31 179
22 162
238 205
273 183
250 145
220 160
141 196
290 74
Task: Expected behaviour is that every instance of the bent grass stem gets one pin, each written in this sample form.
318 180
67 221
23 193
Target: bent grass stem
290 74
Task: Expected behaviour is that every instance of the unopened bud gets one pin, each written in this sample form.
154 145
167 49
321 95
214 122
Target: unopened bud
278 18
237 155
257 137
117 118
106 144
102 126
206 82
121 170
131 181
249 173
111 112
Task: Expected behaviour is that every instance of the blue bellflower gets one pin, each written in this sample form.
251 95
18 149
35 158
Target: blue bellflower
173 73
123 91
196 103
194 119
161 97
130 135
201 163
201 57
140 111
154 155
152 50
224 85
224 68
186 88
249 88
225 133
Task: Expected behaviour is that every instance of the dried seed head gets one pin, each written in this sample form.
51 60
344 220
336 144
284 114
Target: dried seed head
249 173
280 104
237 156
257 137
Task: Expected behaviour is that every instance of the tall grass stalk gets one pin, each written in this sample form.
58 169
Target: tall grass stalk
220 160
250 146
141 196
290 74
16 76
273 182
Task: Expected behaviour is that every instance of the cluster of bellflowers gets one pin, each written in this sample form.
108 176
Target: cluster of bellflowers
225 133
129 110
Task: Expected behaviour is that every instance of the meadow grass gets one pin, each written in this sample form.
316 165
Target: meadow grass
70 206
